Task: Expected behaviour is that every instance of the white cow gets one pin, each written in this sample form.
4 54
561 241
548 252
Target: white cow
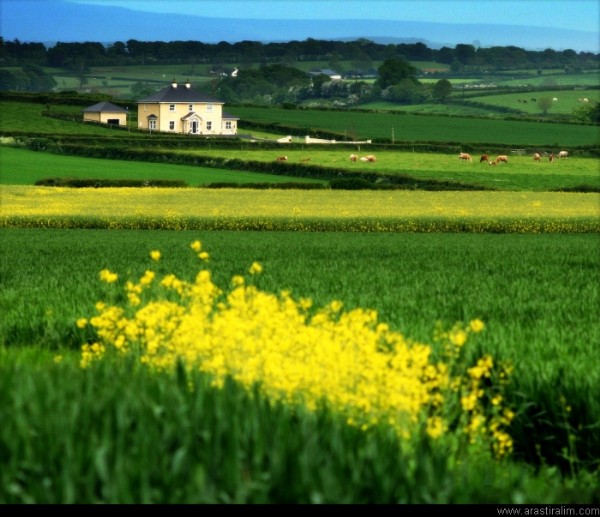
563 154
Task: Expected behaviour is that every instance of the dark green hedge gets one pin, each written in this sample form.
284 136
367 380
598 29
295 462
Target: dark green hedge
100 183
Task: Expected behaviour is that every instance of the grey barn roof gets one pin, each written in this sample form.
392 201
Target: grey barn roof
104 107
181 93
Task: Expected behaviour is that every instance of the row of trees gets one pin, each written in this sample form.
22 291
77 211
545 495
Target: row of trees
362 53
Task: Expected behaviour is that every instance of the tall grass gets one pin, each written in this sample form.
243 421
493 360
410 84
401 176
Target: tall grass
119 434
115 433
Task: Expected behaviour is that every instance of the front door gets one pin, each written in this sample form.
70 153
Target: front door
194 127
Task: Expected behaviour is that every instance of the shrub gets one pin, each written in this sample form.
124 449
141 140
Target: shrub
351 184
100 183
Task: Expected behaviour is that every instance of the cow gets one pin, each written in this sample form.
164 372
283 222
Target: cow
465 157
493 163
537 157
369 158
551 157
502 159
353 157
563 154
282 158
484 158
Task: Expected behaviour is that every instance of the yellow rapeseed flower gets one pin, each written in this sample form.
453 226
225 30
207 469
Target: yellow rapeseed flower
476 325
255 268
155 255
81 323
196 246
108 277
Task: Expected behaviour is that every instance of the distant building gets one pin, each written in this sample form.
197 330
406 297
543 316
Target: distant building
332 74
105 113
181 109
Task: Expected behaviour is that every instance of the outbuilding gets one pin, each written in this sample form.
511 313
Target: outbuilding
105 113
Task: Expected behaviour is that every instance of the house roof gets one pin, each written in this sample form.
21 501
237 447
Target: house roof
179 93
229 116
104 107
325 71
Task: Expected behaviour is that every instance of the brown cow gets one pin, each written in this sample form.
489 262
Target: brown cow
502 159
282 158
484 158
465 157
537 157
353 157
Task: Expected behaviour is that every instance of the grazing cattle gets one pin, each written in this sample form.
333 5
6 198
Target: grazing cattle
563 154
353 157
502 159
537 157
369 158
465 157
282 158
551 157
554 99
484 158
492 163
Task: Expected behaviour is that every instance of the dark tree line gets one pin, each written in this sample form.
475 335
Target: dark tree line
362 53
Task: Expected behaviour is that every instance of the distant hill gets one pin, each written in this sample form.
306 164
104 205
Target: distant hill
50 21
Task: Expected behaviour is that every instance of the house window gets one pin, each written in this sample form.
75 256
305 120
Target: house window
227 125
145 107
171 107
171 125
209 126
209 107
152 124
190 107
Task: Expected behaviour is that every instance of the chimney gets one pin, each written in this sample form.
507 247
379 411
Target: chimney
174 83
187 84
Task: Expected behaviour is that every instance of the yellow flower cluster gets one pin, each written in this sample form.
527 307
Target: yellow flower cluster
347 361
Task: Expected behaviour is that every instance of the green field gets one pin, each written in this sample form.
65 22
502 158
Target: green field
24 167
408 127
412 281
568 100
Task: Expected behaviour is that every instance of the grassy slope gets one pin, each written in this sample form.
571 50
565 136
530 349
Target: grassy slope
24 167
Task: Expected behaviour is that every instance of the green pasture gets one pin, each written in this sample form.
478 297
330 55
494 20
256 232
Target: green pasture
549 80
20 166
568 100
431 109
25 167
520 173
409 127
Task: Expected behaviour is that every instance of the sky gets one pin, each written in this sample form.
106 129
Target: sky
566 14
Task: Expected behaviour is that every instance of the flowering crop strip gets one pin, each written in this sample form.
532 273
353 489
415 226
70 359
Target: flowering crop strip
295 353
299 210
